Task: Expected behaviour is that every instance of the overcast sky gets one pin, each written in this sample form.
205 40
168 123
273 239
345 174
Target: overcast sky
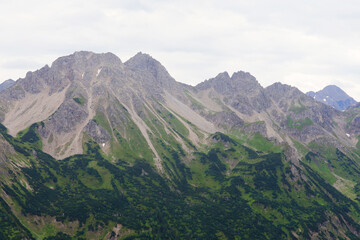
307 44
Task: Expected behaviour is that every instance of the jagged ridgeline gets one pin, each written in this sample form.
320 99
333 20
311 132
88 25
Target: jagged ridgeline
93 148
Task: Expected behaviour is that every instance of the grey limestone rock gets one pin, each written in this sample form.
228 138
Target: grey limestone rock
257 127
225 120
153 77
98 133
241 91
154 73
66 117
117 114
15 92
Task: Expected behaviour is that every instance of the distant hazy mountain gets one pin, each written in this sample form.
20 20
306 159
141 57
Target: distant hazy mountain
6 84
334 96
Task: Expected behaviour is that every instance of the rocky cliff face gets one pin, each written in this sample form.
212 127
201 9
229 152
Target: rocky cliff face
241 91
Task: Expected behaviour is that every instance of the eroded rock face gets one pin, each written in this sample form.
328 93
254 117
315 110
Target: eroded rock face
35 82
258 127
13 93
150 71
354 126
152 77
98 133
117 114
66 117
226 120
241 91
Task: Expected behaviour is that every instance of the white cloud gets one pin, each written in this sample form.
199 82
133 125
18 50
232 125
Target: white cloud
305 44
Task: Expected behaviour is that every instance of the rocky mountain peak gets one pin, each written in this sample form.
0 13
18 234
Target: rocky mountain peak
241 91
239 82
333 96
335 90
144 62
150 71
244 77
278 90
224 76
245 81
83 59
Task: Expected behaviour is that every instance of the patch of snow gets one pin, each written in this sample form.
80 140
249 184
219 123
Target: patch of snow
324 99
82 76
103 144
348 135
98 72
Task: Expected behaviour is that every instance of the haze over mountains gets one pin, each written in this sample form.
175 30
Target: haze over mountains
111 137
6 84
333 96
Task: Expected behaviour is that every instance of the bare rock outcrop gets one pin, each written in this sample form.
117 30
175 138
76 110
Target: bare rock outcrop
98 133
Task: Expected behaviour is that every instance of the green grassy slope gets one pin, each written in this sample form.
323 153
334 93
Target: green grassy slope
226 191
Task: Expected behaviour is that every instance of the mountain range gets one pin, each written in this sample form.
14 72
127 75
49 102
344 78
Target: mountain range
97 148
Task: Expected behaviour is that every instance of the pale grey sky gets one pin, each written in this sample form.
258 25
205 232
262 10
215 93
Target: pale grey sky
307 44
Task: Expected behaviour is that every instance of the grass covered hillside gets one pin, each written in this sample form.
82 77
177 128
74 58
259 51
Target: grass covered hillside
226 191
